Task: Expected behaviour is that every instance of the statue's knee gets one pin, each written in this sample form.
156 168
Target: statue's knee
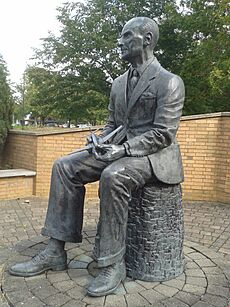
60 163
108 176
57 163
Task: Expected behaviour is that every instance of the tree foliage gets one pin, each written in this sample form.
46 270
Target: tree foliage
205 68
6 103
80 64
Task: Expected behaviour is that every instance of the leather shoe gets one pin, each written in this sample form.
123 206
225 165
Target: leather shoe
108 279
39 264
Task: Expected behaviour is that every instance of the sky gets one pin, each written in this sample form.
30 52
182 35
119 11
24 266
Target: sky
22 24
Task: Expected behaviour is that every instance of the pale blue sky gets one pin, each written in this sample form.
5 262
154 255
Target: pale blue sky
22 24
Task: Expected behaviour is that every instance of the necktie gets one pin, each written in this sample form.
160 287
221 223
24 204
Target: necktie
132 82
134 79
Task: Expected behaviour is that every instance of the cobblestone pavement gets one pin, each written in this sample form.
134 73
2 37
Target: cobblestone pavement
205 282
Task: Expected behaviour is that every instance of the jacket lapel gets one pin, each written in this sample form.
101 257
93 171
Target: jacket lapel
123 91
150 73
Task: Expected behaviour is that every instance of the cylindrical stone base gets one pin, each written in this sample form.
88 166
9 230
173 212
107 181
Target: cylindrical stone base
155 233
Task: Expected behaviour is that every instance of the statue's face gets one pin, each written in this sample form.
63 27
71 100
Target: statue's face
131 42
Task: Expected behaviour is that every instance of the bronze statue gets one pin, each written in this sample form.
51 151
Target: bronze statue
147 102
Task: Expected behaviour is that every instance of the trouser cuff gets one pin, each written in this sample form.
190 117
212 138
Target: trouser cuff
110 259
73 238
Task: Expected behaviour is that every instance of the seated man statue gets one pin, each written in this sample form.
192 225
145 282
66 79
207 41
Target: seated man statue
147 102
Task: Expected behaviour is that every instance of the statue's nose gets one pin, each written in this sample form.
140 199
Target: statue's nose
119 43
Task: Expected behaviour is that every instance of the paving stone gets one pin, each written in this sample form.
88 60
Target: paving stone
31 302
120 290
74 303
198 281
44 291
205 263
77 292
84 258
133 287
37 282
196 256
174 302
3 301
201 304
87 247
194 272
194 289
64 286
18 296
204 223
153 296
76 273
84 280
57 276
166 290
115 301
188 250
147 284
218 290
212 270
11 284
71 254
191 265
136 300
58 299
181 277
76 264
217 301
70 245
96 301
219 280
175 283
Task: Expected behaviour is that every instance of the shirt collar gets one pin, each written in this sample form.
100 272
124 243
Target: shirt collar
142 68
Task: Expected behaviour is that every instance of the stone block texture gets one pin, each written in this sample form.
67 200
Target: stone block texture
155 233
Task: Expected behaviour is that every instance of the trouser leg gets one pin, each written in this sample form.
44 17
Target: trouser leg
118 181
64 216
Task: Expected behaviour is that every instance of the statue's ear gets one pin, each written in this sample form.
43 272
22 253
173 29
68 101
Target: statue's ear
148 39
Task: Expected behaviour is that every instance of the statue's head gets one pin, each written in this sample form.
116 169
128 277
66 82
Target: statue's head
140 34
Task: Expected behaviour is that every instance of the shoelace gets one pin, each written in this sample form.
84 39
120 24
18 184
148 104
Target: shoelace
38 257
107 271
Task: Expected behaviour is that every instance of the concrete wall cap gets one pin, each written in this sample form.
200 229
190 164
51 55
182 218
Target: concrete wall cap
206 115
7 173
56 131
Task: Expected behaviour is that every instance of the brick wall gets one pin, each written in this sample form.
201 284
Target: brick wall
52 146
16 187
21 150
204 141
38 150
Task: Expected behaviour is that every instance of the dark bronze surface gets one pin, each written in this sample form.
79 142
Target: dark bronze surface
145 149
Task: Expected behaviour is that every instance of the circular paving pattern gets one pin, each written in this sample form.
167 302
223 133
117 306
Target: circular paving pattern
205 282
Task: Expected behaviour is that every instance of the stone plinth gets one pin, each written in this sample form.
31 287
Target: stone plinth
155 233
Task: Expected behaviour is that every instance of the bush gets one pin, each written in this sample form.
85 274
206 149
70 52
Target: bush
6 103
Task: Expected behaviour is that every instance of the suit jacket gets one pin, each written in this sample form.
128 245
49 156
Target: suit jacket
150 119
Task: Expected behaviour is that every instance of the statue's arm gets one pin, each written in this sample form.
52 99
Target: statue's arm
170 100
110 124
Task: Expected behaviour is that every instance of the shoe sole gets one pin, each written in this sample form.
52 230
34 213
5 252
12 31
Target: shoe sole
106 292
60 267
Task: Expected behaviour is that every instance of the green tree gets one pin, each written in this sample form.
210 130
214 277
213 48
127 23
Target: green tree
193 43
85 54
38 91
6 103
205 68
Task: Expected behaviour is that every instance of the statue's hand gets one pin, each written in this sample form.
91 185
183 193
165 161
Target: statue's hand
89 139
109 152
93 140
